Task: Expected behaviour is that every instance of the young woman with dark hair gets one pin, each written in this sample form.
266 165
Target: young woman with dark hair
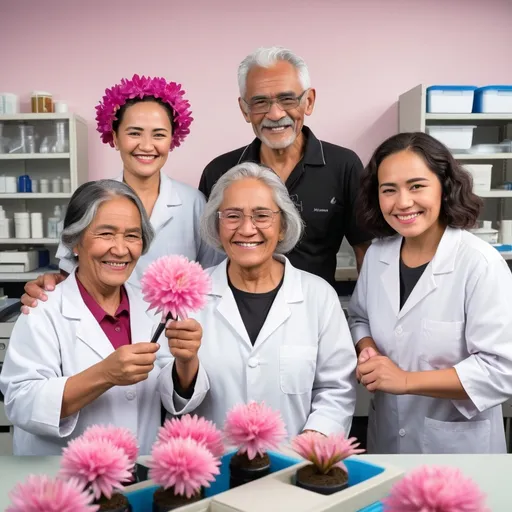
431 313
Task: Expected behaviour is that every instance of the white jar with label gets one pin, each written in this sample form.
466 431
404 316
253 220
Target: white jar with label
22 225
66 185
56 186
44 186
36 224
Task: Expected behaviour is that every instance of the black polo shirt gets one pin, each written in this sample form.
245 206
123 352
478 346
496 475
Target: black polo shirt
323 186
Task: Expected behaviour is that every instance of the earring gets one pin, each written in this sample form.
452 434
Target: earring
75 254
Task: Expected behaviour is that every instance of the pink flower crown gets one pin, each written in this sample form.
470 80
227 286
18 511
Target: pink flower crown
140 87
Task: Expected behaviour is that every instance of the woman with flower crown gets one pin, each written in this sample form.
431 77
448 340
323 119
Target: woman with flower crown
144 119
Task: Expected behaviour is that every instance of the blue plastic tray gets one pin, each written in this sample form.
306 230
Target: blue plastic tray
141 500
359 471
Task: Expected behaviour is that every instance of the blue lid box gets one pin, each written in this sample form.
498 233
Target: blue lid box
493 99
450 99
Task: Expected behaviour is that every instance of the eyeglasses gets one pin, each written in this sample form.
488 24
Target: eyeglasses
233 219
263 105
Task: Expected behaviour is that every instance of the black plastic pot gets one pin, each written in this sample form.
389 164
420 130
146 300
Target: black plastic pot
320 489
239 475
180 502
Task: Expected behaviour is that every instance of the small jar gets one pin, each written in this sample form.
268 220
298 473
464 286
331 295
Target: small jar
56 186
44 186
42 102
36 224
66 185
22 225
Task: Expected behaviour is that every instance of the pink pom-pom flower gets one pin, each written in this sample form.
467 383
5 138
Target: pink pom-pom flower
140 87
182 464
254 428
435 489
173 284
40 493
96 464
121 437
325 452
201 430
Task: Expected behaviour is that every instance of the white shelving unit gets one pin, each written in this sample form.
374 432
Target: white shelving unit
72 164
491 128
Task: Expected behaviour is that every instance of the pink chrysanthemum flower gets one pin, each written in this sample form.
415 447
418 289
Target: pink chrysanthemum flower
201 430
97 464
121 437
435 489
325 452
140 87
254 428
176 285
183 464
40 493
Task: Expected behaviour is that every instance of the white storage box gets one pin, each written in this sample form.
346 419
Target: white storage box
29 260
453 137
493 99
450 99
481 174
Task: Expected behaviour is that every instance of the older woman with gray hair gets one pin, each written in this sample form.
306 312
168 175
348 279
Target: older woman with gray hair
83 357
272 333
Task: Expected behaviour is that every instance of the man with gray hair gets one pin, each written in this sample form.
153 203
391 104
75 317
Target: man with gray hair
322 178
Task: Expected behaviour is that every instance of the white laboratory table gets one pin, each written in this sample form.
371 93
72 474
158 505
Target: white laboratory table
490 472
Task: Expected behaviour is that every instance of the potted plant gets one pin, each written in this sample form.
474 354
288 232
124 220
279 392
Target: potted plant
435 489
181 467
201 430
327 473
121 437
40 493
102 468
254 429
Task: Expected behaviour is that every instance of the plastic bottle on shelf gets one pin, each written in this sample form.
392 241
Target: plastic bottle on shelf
36 224
4 224
53 223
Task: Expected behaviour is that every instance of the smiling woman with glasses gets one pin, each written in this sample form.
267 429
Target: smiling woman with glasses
272 333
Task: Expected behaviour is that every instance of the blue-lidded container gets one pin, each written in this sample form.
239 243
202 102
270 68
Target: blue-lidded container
359 471
493 99
450 99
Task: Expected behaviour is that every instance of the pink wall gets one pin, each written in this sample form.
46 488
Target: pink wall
362 54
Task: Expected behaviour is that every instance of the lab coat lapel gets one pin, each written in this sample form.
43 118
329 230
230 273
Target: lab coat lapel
390 275
227 307
442 263
142 325
167 199
88 330
290 292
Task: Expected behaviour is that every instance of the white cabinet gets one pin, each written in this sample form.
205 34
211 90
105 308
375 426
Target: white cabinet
491 130
42 146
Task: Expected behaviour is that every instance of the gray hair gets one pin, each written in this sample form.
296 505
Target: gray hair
292 224
85 202
267 57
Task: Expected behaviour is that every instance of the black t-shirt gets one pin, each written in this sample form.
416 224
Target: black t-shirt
254 308
323 186
409 277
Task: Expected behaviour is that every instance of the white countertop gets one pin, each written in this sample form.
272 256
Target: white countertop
491 472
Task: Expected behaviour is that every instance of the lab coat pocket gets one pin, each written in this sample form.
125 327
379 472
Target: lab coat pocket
297 366
442 343
456 437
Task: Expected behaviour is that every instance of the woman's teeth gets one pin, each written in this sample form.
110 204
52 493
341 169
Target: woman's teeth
248 244
145 157
408 217
116 265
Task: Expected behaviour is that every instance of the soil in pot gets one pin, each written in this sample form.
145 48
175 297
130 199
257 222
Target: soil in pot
242 470
118 503
165 499
308 477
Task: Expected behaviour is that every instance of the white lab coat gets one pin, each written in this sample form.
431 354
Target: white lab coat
175 219
61 338
458 315
302 364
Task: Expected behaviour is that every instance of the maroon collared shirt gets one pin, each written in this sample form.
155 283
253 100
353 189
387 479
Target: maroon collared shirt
117 327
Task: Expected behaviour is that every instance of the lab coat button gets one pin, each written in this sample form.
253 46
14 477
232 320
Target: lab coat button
398 330
401 432
253 362
130 395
